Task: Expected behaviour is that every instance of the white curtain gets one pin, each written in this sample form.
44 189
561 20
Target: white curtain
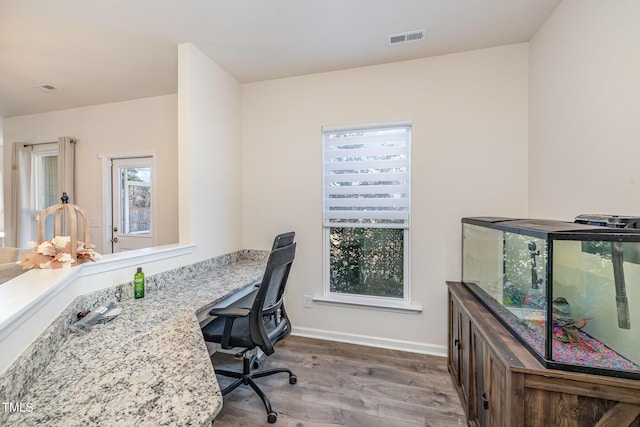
67 174
22 222
67 167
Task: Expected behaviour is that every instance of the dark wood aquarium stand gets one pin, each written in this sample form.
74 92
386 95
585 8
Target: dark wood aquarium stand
501 383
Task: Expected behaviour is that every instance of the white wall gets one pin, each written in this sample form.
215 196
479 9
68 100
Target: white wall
584 106
469 157
209 155
143 125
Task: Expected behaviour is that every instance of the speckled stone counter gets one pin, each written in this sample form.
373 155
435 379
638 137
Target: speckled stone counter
148 366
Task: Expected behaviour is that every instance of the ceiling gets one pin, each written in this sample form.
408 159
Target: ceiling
100 51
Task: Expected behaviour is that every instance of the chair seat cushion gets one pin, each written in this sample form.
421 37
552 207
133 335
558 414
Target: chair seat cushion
240 335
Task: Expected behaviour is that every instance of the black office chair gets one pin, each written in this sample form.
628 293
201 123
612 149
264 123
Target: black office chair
262 326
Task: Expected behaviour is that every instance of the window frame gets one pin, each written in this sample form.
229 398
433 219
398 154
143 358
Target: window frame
371 301
38 183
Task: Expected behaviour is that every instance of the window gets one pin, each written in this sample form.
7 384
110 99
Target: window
366 211
45 184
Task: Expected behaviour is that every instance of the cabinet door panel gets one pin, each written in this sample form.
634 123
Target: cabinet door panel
490 384
465 354
496 391
454 340
478 403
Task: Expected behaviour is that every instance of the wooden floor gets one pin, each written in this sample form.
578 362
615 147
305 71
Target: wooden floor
346 385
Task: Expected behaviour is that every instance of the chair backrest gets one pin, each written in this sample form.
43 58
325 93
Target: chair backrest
283 240
268 321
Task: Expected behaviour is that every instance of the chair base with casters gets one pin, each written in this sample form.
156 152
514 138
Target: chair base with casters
246 378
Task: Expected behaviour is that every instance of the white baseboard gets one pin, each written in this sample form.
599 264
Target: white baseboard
410 346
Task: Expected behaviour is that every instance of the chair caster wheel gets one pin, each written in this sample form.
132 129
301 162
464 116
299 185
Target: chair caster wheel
272 417
255 363
293 379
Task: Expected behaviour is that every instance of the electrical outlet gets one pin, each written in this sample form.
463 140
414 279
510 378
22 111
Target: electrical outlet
306 301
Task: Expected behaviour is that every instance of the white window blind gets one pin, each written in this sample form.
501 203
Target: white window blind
367 176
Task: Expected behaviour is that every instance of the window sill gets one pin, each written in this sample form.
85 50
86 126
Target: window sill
369 303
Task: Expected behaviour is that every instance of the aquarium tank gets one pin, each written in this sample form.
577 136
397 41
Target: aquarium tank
569 291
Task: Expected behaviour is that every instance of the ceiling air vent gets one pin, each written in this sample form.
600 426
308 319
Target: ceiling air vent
45 88
406 37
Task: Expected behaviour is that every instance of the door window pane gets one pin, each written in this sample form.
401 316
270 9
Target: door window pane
136 200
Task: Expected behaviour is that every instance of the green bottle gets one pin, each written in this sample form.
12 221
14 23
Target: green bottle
138 284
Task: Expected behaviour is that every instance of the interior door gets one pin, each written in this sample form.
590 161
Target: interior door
132 203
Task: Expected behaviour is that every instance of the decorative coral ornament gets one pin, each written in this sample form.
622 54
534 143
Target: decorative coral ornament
56 253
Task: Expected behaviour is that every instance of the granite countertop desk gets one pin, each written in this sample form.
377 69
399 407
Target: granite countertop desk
148 366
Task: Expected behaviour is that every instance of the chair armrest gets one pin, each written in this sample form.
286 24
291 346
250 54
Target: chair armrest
233 312
230 314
